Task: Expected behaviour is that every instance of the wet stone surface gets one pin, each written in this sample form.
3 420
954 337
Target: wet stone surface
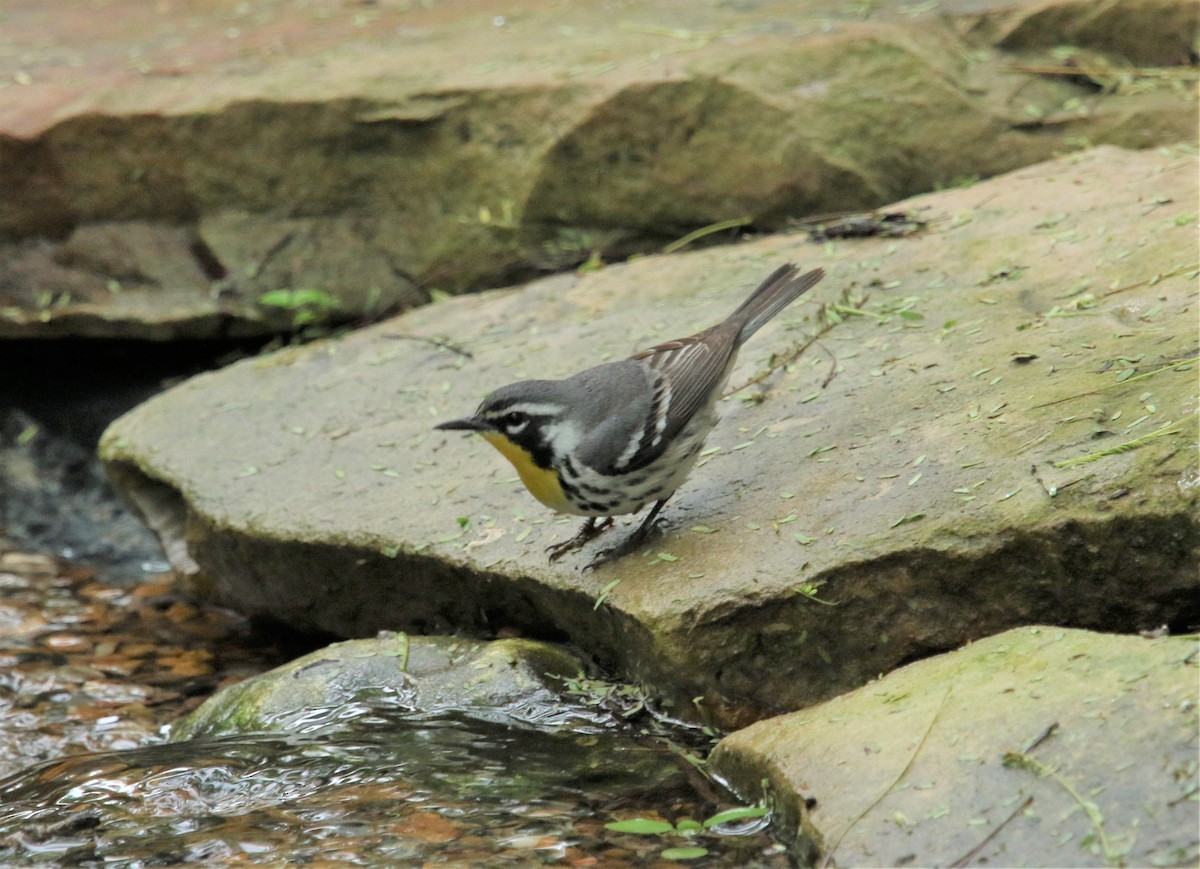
54 496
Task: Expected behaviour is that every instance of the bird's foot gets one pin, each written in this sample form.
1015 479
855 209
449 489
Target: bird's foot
629 544
590 529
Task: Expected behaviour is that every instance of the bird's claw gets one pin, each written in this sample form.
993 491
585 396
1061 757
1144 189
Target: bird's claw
590 529
626 546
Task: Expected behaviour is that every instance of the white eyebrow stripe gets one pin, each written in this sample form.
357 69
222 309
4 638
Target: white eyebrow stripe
527 408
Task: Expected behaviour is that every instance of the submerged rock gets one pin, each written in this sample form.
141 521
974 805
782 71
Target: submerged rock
1036 747
514 681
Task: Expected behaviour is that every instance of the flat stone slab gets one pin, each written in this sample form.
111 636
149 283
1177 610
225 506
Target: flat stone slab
246 167
997 428
1036 747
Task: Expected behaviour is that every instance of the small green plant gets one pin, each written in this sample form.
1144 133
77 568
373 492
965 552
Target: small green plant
686 828
605 592
1113 855
308 306
625 700
732 223
808 590
1134 444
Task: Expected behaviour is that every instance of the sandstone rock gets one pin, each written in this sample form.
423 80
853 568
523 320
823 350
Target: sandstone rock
1003 433
165 170
1036 747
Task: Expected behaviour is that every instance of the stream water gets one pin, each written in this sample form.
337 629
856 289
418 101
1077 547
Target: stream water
90 672
445 791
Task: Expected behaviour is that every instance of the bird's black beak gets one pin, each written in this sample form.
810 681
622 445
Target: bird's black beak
467 423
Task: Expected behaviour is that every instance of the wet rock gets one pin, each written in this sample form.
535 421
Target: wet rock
1038 746
169 173
998 431
56 398
55 497
508 681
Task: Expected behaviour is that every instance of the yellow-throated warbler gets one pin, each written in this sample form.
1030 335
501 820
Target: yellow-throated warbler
613 438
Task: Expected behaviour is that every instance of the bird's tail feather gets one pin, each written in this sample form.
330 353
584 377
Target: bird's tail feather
774 294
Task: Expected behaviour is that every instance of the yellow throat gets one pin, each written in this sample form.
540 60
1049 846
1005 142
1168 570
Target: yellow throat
541 483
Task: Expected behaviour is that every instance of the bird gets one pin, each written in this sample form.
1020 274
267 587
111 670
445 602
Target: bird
613 438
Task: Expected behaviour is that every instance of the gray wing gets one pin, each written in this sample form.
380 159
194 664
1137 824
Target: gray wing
685 373
614 401
643 414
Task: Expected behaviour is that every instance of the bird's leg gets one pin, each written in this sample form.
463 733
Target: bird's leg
630 543
591 528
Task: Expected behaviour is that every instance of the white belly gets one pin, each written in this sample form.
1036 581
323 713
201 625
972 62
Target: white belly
595 494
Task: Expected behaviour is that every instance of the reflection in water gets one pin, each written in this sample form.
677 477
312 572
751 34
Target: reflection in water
393 789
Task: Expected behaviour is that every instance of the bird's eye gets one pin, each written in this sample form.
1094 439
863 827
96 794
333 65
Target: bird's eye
514 421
